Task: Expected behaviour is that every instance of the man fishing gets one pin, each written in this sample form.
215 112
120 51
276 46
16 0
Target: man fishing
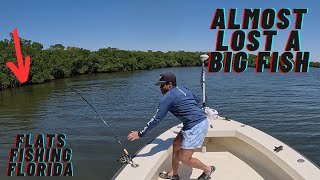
182 103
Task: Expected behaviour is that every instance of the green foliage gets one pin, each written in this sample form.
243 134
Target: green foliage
59 61
4 81
252 60
315 64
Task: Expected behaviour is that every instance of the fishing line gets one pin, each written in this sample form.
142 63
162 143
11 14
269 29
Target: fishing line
125 158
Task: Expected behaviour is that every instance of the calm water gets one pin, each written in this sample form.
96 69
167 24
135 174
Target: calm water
286 106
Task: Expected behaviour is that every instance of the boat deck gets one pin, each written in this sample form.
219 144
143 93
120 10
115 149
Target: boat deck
238 151
227 166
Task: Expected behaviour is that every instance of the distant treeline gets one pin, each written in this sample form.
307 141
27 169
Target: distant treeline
59 62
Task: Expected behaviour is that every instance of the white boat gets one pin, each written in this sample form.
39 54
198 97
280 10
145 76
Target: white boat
238 151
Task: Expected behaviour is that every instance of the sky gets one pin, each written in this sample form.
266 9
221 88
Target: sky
166 25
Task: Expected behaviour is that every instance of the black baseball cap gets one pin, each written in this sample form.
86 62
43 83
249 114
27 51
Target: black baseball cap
167 77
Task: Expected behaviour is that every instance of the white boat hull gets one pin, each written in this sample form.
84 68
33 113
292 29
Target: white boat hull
237 151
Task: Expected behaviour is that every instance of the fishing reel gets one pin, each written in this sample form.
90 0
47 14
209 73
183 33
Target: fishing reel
126 159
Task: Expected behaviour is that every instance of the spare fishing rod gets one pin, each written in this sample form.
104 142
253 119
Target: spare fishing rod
125 158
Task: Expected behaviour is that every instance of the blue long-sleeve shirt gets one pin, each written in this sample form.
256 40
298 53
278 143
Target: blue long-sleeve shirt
183 104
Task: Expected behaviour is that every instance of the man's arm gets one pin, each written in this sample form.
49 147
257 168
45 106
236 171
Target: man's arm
198 100
164 106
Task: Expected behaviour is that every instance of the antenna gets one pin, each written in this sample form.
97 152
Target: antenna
203 58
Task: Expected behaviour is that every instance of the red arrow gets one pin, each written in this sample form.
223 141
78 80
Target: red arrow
22 71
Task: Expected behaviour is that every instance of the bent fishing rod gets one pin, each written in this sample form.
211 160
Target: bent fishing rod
125 158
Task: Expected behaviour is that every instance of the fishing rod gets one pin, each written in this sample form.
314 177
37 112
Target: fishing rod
125 158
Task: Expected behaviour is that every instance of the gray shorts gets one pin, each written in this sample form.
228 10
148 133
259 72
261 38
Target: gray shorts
193 138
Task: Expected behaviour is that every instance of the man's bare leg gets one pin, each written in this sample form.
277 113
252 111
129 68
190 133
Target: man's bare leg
186 158
177 142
